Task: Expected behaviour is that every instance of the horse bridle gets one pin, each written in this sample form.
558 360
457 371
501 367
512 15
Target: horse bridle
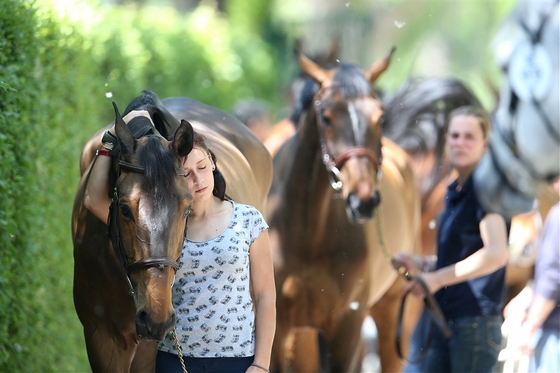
334 164
114 233
535 38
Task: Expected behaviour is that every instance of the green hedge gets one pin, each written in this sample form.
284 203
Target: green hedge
60 68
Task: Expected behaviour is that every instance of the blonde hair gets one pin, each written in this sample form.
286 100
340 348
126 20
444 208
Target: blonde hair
476 112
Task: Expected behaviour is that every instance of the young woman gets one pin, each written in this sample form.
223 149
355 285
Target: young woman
224 294
468 273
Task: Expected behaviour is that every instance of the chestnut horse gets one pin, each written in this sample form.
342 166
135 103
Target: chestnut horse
341 201
122 292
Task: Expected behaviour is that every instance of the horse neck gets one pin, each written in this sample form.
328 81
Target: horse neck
308 188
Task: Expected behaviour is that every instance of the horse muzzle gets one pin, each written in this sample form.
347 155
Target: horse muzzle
147 328
360 211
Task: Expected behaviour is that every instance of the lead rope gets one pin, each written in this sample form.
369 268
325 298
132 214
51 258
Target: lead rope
179 350
401 270
379 225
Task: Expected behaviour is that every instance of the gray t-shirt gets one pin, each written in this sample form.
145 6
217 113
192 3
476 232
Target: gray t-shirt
215 316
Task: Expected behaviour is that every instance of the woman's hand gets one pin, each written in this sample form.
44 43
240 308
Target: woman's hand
431 281
136 113
403 260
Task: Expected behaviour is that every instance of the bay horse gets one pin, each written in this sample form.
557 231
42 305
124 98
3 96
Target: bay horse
342 200
524 147
113 300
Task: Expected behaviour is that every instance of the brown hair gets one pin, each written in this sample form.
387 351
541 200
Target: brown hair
475 112
219 190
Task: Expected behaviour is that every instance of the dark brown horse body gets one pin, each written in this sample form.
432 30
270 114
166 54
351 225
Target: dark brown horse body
112 319
331 266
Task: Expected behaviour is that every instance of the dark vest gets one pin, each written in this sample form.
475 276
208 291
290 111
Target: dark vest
458 238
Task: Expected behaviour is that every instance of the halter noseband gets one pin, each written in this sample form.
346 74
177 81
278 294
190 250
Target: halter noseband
334 164
115 236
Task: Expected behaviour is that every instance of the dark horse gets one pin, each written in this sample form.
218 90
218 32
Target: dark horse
330 255
122 292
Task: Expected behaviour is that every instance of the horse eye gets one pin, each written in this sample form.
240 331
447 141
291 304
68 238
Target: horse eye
382 119
126 211
326 120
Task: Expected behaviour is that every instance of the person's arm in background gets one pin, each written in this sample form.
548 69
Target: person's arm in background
264 292
546 289
491 257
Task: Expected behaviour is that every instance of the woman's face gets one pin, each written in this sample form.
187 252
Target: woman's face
198 167
465 142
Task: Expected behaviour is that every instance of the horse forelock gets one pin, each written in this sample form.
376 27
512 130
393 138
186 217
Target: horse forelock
159 166
351 82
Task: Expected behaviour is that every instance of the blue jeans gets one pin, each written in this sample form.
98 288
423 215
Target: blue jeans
547 352
170 363
473 347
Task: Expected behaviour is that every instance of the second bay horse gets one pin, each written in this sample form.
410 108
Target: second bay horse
342 200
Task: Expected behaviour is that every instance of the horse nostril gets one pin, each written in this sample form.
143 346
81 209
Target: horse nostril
363 209
142 317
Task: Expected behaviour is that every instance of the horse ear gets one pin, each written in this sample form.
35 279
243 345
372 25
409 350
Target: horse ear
183 139
314 71
126 139
377 68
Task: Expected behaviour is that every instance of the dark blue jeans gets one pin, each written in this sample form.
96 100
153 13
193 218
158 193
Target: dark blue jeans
169 363
473 347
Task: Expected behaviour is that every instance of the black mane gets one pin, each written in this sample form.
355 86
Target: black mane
416 116
159 168
351 82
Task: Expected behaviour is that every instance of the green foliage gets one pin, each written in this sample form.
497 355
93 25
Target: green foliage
18 92
60 66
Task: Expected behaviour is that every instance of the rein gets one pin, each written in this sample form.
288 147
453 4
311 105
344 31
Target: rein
334 164
430 303
114 234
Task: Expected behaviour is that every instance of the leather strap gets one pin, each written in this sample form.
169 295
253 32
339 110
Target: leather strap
436 316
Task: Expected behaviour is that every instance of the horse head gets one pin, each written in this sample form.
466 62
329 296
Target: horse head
147 222
348 116
523 148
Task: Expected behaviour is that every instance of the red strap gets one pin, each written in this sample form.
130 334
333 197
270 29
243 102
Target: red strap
104 152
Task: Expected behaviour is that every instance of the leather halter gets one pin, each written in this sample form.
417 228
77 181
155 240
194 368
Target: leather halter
115 236
334 164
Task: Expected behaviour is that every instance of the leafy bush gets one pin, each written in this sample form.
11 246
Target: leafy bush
60 66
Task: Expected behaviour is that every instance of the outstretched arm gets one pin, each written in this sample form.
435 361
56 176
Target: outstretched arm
491 257
97 190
